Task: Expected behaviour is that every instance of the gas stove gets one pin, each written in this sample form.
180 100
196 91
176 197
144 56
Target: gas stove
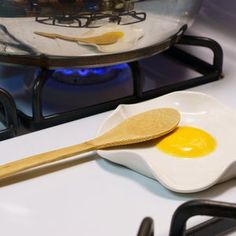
90 196
47 97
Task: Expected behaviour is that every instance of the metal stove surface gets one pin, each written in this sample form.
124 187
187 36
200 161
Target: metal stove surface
90 196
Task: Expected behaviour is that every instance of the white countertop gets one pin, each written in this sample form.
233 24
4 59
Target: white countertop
96 197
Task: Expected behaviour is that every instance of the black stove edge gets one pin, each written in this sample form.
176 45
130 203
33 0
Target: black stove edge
223 221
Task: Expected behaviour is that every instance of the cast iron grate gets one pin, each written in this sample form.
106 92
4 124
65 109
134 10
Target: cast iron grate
87 14
91 20
8 116
208 72
222 223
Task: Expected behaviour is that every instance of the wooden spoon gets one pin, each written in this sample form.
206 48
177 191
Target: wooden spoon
135 129
103 39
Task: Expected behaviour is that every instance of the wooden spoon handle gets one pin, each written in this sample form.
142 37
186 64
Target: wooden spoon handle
59 36
44 158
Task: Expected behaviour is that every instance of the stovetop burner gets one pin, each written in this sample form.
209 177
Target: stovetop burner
87 76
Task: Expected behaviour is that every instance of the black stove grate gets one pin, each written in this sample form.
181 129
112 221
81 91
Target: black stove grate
91 20
8 116
86 14
208 72
222 223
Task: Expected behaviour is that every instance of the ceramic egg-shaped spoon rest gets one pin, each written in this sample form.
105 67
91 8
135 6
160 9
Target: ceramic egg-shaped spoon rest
179 174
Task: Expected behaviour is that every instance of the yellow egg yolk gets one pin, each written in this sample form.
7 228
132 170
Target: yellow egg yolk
187 142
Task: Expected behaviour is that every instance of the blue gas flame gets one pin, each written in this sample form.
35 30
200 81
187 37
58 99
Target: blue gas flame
85 72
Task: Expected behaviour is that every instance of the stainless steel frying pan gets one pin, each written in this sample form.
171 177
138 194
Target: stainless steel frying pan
148 27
